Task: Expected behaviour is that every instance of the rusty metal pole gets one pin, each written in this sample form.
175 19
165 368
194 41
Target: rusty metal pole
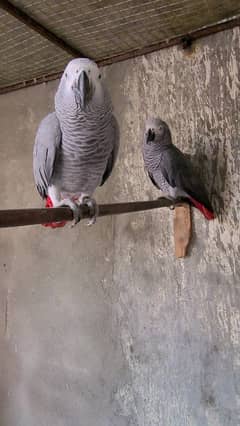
24 217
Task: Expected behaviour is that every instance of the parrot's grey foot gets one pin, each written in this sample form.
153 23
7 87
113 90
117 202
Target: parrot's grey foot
74 207
172 207
179 200
93 209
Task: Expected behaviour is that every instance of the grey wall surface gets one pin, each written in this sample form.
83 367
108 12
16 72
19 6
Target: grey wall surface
102 326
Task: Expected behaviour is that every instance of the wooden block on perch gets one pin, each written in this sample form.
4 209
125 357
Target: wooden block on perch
182 229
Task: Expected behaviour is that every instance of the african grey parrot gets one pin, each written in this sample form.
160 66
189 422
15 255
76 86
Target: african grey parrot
77 145
170 170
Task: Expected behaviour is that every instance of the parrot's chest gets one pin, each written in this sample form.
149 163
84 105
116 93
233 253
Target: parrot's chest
81 163
152 161
84 142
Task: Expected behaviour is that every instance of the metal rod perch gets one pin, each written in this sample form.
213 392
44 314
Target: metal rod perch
24 217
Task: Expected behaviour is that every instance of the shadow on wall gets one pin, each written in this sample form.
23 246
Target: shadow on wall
213 171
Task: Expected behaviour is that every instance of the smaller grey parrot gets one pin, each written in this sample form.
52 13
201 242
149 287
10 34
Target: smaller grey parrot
170 170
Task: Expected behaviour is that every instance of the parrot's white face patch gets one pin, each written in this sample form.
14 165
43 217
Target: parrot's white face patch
81 83
156 130
76 67
155 124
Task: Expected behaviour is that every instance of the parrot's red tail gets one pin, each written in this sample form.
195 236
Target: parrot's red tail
209 215
49 205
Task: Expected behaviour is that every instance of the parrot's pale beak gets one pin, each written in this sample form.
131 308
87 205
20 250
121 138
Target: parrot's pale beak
84 89
150 136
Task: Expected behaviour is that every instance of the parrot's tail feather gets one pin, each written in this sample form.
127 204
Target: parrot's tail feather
49 202
209 215
49 205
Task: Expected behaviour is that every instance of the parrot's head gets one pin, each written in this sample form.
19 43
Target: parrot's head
80 82
157 131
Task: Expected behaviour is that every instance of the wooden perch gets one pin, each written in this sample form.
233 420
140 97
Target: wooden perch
182 217
24 217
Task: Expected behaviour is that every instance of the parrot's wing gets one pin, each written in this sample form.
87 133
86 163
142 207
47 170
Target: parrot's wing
179 173
47 143
152 179
113 155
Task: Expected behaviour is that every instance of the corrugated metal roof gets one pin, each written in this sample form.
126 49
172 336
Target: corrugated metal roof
100 29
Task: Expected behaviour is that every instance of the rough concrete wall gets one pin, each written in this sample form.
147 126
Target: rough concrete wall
102 326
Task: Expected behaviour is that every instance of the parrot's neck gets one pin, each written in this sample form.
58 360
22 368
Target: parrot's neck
158 147
99 106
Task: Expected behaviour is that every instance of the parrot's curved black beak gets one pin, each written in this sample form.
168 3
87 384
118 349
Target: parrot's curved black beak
150 136
84 88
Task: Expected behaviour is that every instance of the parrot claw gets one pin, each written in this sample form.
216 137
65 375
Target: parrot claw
75 209
76 214
93 209
172 207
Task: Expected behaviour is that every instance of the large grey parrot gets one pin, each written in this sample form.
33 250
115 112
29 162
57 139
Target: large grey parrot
170 170
77 145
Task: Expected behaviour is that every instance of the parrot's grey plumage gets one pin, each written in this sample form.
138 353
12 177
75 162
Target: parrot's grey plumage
170 170
47 145
76 147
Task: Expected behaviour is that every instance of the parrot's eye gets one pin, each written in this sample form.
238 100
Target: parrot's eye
99 76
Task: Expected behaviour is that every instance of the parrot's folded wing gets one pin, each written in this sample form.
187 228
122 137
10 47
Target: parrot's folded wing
150 175
115 137
47 143
180 173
